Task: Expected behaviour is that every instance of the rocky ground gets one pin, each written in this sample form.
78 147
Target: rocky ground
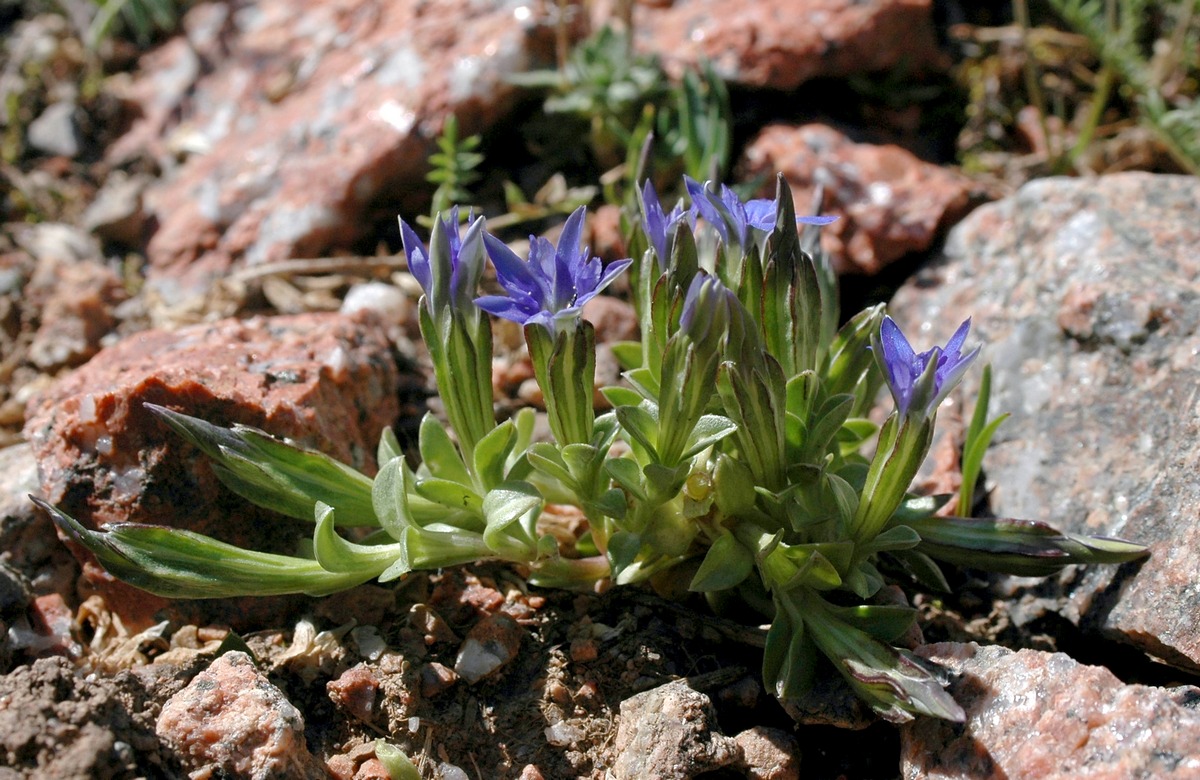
209 222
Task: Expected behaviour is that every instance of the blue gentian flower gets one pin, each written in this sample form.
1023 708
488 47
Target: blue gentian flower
905 367
657 224
554 284
732 218
452 279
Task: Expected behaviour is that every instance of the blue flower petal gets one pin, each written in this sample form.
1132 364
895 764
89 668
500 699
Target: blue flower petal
418 257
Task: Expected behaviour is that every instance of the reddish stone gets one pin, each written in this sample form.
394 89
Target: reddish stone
769 754
75 304
459 596
890 202
584 650
671 733
328 381
613 318
372 769
436 679
230 721
52 619
1044 715
300 115
531 772
354 691
430 624
489 646
780 44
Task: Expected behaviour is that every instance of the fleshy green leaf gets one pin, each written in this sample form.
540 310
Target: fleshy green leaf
627 474
725 565
398 765
509 504
439 454
892 682
276 474
182 564
338 555
389 447
452 495
491 453
1022 547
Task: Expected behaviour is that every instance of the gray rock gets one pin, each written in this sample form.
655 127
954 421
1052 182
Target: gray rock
54 131
1085 293
1043 715
117 213
670 733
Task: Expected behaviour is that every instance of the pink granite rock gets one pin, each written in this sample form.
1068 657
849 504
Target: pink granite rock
780 44
1084 294
230 721
296 116
671 733
326 380
1045 716
769 754
355 691
891 203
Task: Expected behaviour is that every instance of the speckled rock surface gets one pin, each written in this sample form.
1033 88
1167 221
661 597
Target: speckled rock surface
1046 716
670 732
780 44
230 721
293 117
891 203
1085 294
328 381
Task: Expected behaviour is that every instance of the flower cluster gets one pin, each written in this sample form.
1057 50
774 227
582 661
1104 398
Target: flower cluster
739 457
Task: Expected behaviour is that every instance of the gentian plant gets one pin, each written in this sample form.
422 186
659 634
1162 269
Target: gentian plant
738 454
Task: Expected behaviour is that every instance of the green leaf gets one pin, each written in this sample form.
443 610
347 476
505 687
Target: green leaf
885 622
854 434
439 454
789 658
627 474
923 569
338 555
898 537
546 458
709 430
733 486
182 564
664 481
509 504
628 354
726 564
275 474
1022 547
389 447
621 396
893 683
491 454
398 765
641 424
919 507
452 495
389 497
623 549
978 438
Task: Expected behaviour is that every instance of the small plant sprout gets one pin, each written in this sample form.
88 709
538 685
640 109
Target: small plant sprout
738 459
